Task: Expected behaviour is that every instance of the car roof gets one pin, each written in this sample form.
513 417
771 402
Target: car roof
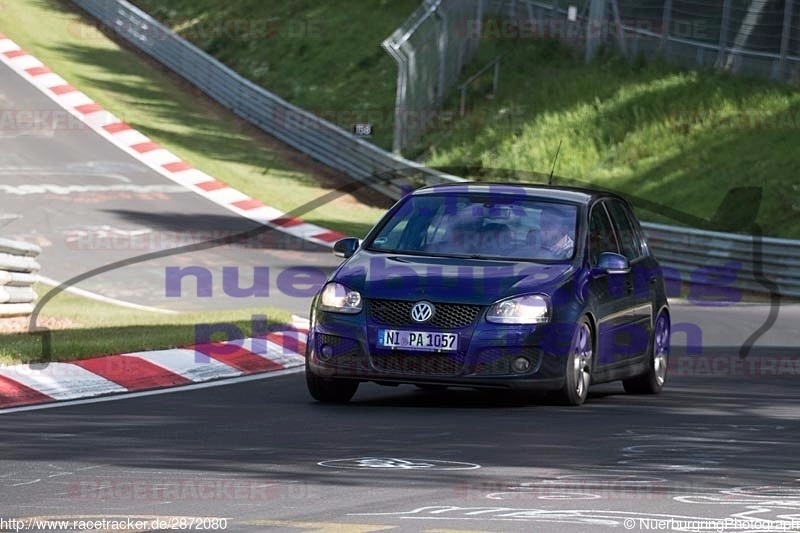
567 194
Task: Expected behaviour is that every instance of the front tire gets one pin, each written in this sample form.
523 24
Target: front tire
330 390
652 381
579 365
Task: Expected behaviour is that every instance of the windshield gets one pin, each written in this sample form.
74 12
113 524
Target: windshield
485 226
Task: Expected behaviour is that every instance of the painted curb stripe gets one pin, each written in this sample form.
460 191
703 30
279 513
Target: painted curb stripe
11 54
133 373
160 160
287 222
63 89
61 381
238 357
189 364
38 71
14 393
144 147
212 185
272 351
290 342
117 127
178 166
33 384
87 109
329 236
246 205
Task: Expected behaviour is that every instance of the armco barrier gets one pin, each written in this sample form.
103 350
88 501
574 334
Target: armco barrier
18 268
300 129
725 259
732 259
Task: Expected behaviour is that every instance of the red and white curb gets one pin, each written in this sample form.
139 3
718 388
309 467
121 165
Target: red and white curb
151 153
23 385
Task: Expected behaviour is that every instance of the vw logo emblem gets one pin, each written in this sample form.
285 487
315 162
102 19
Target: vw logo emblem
422 311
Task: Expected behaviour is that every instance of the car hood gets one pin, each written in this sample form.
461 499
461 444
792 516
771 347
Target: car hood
457 280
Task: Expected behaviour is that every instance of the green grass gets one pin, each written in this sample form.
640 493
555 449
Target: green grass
679 138
97 328
322 56
172 114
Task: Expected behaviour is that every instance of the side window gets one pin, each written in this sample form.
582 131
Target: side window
628 240
601 235
639 230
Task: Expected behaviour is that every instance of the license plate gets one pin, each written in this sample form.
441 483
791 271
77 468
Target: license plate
418 340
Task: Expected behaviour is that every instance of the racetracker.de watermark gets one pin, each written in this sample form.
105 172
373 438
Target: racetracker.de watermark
188 489
204 29
527 28
38 121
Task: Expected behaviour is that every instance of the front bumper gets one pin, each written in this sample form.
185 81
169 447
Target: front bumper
344 346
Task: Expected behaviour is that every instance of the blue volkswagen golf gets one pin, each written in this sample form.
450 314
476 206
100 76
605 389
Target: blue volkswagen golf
493 286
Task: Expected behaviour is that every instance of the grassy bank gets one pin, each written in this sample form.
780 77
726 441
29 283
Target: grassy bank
85 328
678 138
322 56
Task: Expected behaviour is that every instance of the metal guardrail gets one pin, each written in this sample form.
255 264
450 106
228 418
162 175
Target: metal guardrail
18 268
693 255
726 260
322 140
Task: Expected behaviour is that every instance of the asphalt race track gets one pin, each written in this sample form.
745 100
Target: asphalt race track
265 457
88 204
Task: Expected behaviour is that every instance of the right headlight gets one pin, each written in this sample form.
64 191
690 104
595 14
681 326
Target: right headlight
529 309
337 298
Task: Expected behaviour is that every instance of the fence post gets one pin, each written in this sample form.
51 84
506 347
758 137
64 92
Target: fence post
480 25
666 22
400 97
618 26
496 76
597 13
442 45
788 13
723 33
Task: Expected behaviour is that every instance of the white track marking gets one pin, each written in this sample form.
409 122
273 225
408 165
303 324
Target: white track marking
105 299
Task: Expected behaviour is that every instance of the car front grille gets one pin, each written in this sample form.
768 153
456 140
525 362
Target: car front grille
497 361
447 316
416 364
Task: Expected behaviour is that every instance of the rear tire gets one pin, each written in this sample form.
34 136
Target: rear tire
578 374
653 380
330 390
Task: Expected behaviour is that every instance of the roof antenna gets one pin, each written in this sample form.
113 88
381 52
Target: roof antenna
555 159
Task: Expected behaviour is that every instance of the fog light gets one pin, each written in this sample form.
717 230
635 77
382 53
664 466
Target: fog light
521 364
325 352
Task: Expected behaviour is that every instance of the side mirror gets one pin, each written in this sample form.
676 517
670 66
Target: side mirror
345 247
611 263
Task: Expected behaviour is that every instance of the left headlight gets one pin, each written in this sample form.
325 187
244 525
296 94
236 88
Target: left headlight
337 298
530 309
